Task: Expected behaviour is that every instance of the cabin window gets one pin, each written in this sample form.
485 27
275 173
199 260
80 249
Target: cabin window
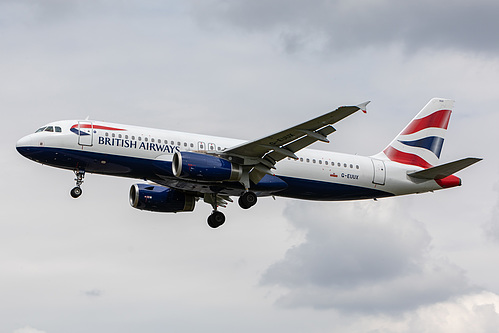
178 143
146 139
301 159
192 145
325 162
185 144
119 136
308 160
152 139
313 161
113 135
133 137
320 161
351 166
139 138
58 129
357 166
159 140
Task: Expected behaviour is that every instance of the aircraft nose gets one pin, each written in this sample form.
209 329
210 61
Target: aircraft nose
23 145
22 142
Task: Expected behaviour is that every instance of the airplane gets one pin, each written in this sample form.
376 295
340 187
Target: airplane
180 168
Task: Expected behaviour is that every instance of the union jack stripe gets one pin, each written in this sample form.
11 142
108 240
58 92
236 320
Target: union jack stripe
422 140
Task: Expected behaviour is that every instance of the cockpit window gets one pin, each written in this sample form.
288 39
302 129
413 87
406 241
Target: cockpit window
56 129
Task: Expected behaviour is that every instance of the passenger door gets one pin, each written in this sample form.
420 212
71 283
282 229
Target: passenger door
379 172
85 133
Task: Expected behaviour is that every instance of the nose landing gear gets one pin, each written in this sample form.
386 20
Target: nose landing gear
76 191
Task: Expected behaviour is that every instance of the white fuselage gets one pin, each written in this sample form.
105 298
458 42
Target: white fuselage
123 150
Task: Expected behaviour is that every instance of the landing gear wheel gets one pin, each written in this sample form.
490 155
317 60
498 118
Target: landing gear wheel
247 200
216 219
76 192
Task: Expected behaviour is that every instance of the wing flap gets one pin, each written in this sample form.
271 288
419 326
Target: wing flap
444 170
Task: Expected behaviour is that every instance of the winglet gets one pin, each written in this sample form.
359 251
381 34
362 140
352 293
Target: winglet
363 106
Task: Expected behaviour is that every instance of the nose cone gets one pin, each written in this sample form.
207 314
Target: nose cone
22 142
25 146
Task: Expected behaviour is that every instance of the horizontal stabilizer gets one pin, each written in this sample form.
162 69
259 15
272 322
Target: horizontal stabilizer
444 170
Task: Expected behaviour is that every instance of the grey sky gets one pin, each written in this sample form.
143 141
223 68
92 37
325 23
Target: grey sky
347 25
245 69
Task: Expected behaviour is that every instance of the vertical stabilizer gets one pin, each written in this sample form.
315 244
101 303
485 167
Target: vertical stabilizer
420 142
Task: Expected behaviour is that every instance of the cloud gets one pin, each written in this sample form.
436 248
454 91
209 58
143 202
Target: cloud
362 257
93 292
491 227
470 313
474 312
345 25
28 329
30 13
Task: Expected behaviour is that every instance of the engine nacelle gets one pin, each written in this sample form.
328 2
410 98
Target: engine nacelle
204 167
160 199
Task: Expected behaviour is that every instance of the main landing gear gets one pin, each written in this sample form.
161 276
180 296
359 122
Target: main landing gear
76 191
216 219
247 200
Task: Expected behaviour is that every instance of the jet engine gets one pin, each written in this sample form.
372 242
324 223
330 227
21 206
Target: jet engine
197 166
160 199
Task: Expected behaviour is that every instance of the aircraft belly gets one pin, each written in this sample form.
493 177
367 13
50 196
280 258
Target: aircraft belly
89 161
327 191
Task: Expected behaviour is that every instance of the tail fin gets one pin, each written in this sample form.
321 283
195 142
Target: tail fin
421 141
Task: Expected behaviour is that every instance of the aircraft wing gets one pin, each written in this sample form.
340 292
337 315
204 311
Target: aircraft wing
264 153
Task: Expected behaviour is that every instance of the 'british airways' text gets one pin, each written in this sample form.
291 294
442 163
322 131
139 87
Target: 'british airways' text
125 143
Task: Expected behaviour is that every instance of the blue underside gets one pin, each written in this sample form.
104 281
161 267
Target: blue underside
317 190
161 173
